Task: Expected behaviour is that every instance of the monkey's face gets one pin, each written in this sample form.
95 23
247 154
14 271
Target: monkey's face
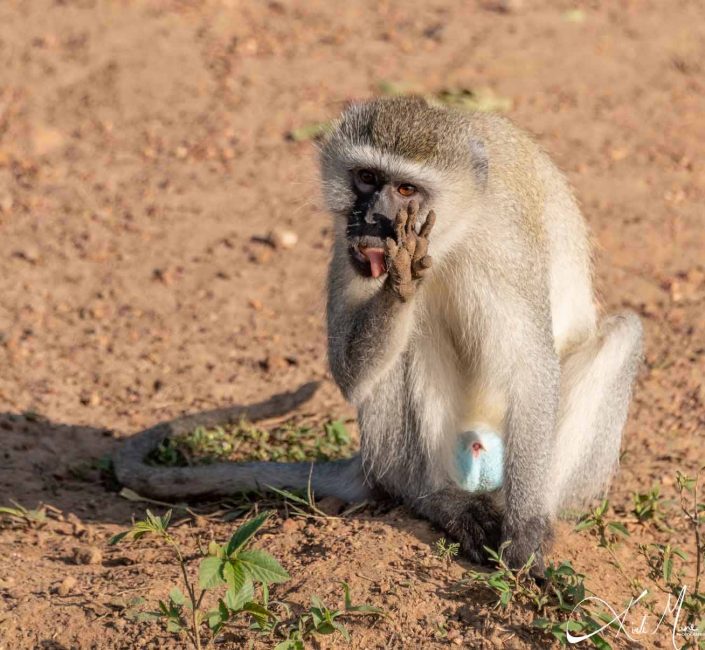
378 199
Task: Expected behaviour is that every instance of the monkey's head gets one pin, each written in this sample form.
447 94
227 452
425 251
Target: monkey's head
382 154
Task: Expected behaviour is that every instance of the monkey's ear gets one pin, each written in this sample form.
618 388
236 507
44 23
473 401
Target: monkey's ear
480 161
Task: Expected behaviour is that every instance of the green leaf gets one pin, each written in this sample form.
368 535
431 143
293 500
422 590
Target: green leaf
680 553
245 532
619 527
173 626
144 616
215 620
362 609
667 568
260 614
116 538
262 567
210 572
234 574
325 628
235 599
177 597
584 524
599 642
291 644
341 628
542 623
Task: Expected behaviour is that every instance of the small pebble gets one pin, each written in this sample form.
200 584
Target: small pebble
331 505
283 239
274 362
66 586
87 555
289 526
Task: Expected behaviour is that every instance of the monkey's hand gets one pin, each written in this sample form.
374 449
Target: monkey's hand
406 255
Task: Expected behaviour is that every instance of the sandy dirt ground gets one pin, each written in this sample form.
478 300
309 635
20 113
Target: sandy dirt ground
144 154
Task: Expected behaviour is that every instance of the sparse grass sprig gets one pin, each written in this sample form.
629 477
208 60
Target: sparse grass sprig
320 619
244 441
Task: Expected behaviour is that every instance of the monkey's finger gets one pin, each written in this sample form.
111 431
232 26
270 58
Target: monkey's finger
421 248
410 245
422 266
412 210
428 224
402 266
399 224
390 249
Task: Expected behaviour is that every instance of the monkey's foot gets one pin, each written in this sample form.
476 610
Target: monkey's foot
530 537
473 520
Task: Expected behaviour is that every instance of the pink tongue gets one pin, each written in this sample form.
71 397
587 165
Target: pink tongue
376 259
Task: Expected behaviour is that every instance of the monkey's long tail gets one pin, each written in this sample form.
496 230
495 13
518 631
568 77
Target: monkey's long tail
343 479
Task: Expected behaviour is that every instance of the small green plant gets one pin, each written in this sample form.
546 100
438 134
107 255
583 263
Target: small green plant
606 532
649 506
320 619
693 510
18 513
507 584
446 551
232 566
558 598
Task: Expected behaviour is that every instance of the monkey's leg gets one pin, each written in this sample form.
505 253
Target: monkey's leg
596 388
529 432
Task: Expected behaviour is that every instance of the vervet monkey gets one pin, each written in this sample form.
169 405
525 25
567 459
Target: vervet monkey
459 292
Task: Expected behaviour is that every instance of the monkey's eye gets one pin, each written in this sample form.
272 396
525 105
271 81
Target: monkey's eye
407 189
366 180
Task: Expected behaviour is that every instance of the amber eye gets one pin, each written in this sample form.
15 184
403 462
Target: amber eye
366 178
406 189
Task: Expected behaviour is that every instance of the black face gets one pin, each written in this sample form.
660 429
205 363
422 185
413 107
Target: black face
378 200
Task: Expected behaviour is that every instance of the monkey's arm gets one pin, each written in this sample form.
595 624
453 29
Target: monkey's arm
364 341
366 335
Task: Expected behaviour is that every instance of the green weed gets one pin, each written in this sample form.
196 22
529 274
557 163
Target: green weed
233 568
445 550
558 598
244 441
18 513
320 619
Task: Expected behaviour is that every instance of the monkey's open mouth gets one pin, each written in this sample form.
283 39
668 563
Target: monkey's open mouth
368 260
